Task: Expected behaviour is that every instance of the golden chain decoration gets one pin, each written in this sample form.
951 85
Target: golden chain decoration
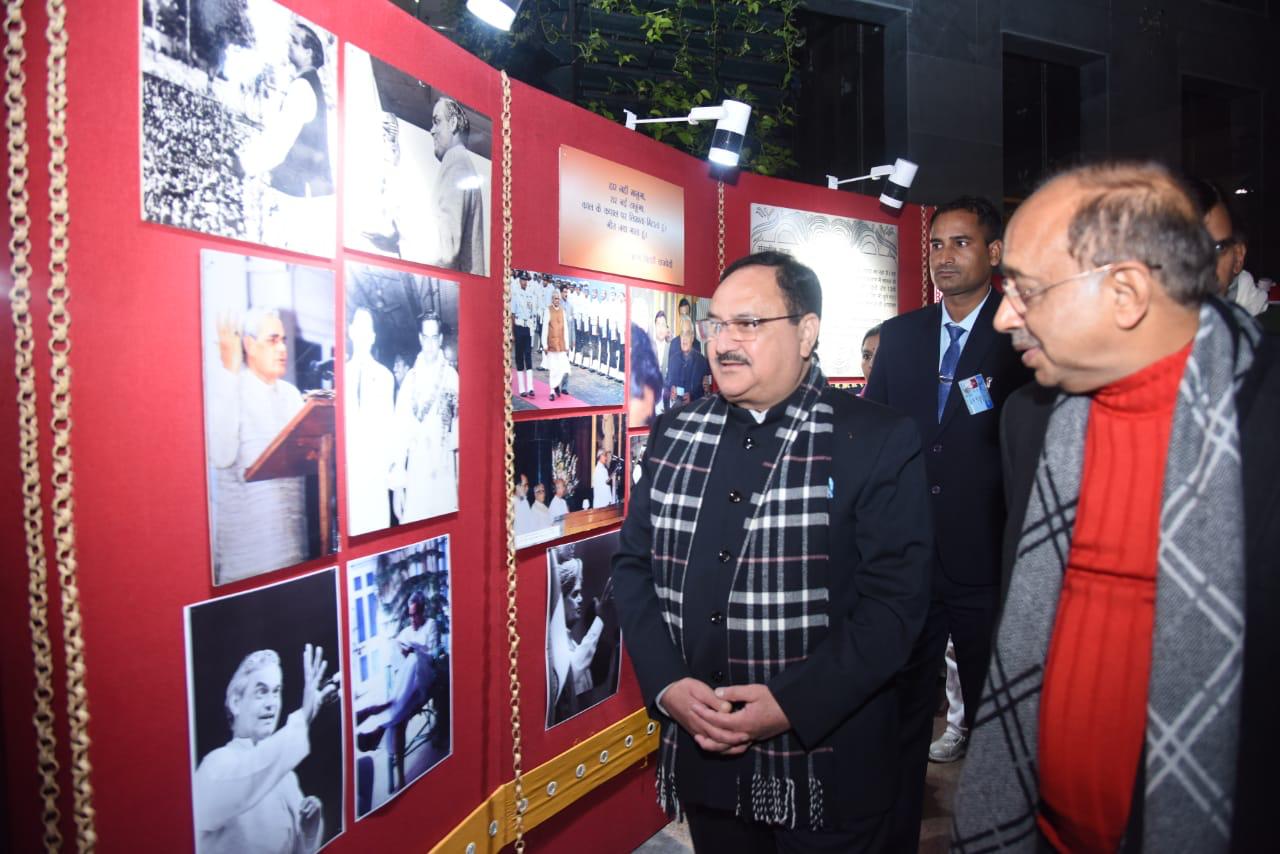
28 425
720 222
63 504
924 255
509 469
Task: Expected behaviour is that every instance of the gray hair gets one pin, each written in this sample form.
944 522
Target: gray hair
1141 212
253 320
240 679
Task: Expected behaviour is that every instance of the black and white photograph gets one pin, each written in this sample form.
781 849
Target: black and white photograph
583 637
569 476
267 329
264 704
398 626
239 100
419 169
635 459
568 341
400 397
668 355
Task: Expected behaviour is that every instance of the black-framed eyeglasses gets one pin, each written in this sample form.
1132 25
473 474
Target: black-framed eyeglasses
1020 297
1220 246
740 329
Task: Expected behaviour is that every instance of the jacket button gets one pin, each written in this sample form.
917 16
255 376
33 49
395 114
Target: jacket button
717 677
735 496
725 555
748 443
935 489
937 449
717 618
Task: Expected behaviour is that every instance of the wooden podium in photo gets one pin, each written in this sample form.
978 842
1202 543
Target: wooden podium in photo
586 520
304 445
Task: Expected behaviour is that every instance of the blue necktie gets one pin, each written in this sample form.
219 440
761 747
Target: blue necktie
947 373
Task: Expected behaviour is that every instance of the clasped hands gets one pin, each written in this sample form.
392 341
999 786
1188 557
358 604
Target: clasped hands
708 714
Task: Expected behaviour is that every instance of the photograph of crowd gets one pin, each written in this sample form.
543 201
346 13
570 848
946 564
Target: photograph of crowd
264 690
583 637
268 352
668 357
401 702
419 169
568 341
400 397
238 127
569 476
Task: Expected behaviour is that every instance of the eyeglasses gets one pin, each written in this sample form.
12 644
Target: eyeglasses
743 329
1220 246
1021 297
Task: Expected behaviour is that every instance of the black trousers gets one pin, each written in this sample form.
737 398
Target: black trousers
721 832
524 349
966 613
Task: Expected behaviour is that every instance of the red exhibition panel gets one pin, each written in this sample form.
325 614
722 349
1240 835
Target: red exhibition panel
138 445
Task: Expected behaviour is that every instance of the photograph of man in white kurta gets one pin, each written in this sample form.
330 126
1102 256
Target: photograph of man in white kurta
398 628
238 129
582 627
567 341
268 353
418 169
572 464
425 471
252 659
401 429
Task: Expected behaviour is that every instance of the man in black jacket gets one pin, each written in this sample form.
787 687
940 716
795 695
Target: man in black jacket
945 366
771 577
1129 701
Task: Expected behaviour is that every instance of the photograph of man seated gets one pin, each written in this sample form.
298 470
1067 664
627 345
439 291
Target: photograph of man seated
399 635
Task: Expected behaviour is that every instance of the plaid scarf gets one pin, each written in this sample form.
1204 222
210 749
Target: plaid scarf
1193 696
777 610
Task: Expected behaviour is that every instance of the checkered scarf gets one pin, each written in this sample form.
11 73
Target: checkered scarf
777 609
1193 697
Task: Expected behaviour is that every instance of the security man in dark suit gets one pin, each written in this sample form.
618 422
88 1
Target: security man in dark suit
946 367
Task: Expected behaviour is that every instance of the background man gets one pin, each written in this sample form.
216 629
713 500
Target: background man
427 419
294 150
771 577
923 361
870 343
246 793
644 394
1132 692
601 480
686 371
459 205
559 507
258 526
369 393
524 310
1235 283
573 636
418 642
555 345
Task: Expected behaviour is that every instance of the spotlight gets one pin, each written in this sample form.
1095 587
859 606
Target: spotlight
495 13
731 119
900 176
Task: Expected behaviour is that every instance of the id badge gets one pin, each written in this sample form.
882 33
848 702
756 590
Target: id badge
976 396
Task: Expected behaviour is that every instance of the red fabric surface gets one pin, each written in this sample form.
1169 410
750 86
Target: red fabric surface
1094 706
139 454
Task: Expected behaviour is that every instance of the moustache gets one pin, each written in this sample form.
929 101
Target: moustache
732 359
1024 340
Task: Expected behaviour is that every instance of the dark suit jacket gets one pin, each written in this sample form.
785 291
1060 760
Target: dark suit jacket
962 453
1023 427
687 375
839 698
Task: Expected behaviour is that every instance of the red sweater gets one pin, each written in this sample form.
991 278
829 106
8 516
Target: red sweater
1094 704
